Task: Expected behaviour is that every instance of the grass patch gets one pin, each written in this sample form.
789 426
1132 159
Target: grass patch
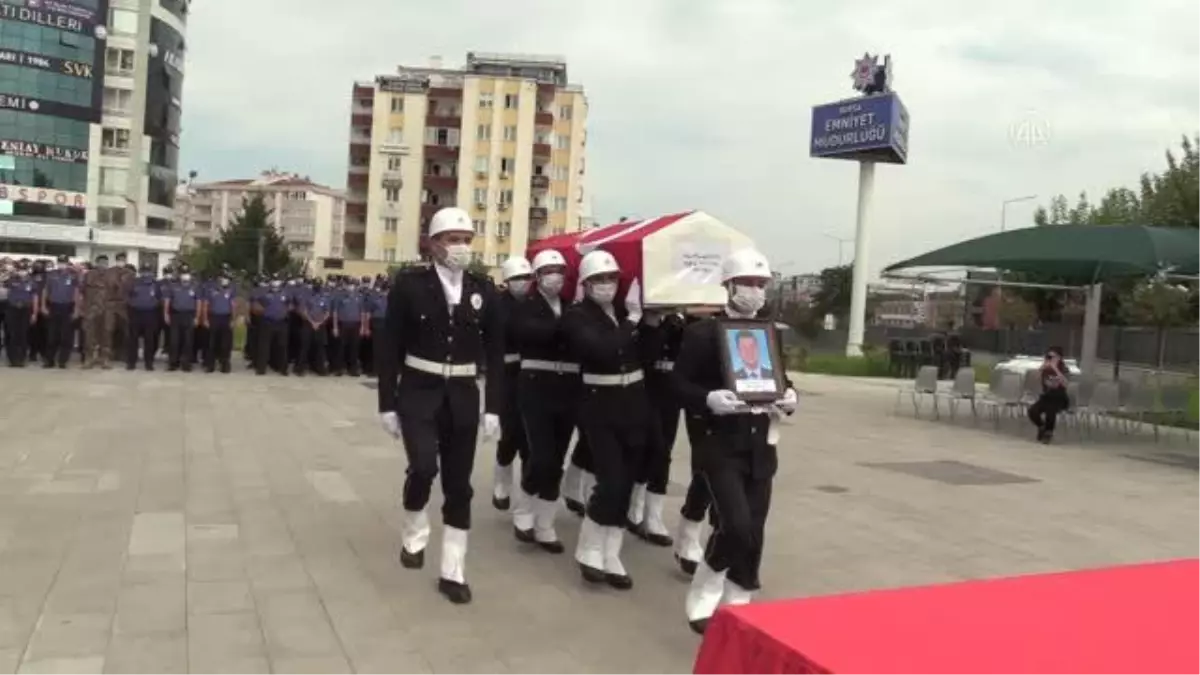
872 363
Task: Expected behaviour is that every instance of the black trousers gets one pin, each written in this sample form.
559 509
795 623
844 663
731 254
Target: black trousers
3 322
741 501
272 346
512 441
1044 412
220 341
143 328
200 342
697 499
250 349
347 353
295 329
444 440
617 451
656 469
183 337
548 429
37 338
60 334
581 454
16 333
368 346
312 349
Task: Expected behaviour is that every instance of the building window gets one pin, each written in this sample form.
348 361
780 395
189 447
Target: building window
481 165
391 194
560 203
110 215
561 172
118 61
480 226
481 195
564 112
113 181
395 135
504 228
117 101
562 142
393 163
512 101
115 141
397 104
510 133
389 255
122 21
483 132
441 136
507 164
485 99
476 257
389 224
506 197
501 258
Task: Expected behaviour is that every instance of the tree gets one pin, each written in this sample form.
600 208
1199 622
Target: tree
1015 312
1160 305
238 246
833 296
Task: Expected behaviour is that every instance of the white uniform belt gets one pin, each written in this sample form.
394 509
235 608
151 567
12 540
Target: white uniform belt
512 358
613 380
665 366
549 366
440 369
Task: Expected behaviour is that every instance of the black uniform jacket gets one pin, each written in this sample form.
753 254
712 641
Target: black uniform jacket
606 347
717 440
420 323
541 336
508 309
660 348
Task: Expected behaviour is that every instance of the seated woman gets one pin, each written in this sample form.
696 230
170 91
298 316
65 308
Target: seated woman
1044 412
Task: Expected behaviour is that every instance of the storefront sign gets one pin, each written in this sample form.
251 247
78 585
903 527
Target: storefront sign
40 195
44 13
31 150
52 108
48 63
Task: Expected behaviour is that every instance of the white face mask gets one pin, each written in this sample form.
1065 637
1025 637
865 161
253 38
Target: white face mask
748 299
519 287
551 284
603 293
185 277
458 256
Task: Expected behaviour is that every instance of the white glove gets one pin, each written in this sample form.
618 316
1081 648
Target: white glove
724 402
391 423
788 403
491 427
633 308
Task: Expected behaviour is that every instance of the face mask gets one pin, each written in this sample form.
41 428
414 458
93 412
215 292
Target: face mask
185 278
748 299
224 282
458 256
518 287
22 273
63 266
102 264
276 284
551 284
603 293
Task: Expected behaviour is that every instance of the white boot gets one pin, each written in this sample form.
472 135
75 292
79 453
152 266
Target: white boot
453 581
415 534
637 506
688 550
736 595
589 552
613 569
653 528
544 513
502 486
704 596
522 513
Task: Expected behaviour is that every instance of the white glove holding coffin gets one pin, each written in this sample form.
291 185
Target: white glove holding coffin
724 402
391 423
491 427
789 402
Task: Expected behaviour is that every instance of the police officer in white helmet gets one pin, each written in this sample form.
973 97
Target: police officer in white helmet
547 393
441 322
614 412
518 277
735 457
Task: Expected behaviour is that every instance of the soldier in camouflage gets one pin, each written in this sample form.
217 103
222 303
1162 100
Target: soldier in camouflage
100 285
124 275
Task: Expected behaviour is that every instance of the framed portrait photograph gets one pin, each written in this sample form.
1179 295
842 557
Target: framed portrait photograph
752 360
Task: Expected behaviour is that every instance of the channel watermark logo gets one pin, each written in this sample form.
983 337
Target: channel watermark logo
1030 130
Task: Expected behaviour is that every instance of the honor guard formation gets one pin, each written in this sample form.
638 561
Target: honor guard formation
301 325
603 370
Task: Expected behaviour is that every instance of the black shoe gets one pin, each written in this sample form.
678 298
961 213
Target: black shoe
688 566
62 366
171 369
592 575
501 503
299 373
1045 437
556 547
412 561
656 539
459 594
523 536
187 369
225 368
698 626
130 366
621 582
149 367
355 373
574 506
47 365
209 369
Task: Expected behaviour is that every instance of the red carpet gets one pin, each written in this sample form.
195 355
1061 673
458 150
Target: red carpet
1128 619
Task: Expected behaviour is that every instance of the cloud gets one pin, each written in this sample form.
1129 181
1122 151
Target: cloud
706 103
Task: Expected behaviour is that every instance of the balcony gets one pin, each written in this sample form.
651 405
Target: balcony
392 179
442 151
360 139
540 182
541 149
543 118
444 119
436 182
444 92
360 119
357 180
359 168
546 88
427 210
538 213
356 210
390 147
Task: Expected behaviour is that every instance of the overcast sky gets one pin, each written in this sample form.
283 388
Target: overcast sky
706 103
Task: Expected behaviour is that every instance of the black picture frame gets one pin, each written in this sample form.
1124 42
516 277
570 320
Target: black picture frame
734 335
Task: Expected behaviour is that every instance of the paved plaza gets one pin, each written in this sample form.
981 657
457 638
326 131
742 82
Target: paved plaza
172 523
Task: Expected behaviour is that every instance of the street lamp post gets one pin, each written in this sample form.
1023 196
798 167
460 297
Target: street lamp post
841 241
1006 202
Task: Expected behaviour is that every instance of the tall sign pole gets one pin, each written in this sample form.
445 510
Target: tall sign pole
871 129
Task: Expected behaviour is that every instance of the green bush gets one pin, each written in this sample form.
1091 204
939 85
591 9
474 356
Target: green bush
868 365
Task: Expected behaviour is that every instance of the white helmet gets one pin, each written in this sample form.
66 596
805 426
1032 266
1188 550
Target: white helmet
745 263
548 258
450 219
515 267
597 262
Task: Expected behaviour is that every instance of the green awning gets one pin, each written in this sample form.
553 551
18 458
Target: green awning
1080 254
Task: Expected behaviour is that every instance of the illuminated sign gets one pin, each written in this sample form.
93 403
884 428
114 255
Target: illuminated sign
40 195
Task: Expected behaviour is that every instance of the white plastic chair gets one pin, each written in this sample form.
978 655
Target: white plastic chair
963 390
1006 397
925 384
1106 399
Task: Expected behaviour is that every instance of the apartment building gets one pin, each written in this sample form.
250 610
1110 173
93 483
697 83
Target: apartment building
310 217
503 137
